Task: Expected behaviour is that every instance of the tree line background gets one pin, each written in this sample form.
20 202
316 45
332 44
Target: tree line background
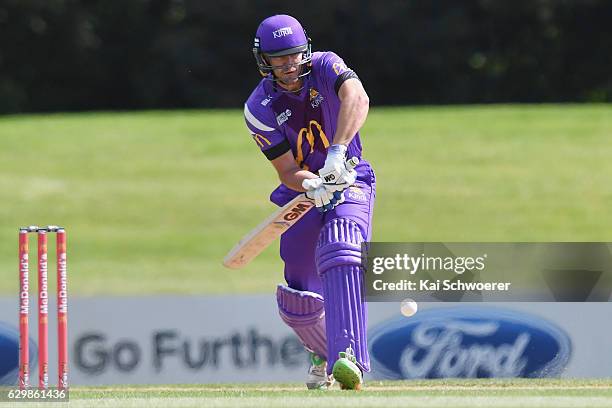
62 55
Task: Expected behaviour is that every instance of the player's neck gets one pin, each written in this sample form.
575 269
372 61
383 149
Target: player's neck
294 87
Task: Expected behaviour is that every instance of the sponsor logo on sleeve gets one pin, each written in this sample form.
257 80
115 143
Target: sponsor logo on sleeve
469 342
260 139
339 67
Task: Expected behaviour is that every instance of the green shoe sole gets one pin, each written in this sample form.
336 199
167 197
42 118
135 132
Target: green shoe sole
347 374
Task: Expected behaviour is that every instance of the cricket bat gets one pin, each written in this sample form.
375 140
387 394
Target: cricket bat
271 228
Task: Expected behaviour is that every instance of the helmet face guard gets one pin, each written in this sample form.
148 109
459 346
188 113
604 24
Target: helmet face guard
266 69
278 36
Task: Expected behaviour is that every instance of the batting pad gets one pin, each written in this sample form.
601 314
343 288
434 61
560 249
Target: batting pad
338 258
303 311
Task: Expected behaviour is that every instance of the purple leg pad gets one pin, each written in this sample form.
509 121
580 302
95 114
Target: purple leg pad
304 312
338 258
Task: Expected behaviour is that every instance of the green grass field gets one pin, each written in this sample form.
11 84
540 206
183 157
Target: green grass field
152 201
525 393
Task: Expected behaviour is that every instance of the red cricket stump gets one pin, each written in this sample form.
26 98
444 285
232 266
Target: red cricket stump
43 312
24 286
43 307
62 310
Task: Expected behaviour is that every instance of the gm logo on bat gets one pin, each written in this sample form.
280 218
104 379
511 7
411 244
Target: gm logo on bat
298 210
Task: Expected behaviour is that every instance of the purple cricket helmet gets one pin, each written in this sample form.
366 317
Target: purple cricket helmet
277 36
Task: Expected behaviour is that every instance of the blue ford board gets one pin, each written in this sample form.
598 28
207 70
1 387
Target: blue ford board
469 342
9 355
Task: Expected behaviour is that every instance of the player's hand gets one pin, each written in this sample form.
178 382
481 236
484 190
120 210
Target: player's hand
336 176
324 199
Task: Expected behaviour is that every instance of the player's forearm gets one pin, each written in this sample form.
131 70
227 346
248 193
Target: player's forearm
353 113
289 173
294 178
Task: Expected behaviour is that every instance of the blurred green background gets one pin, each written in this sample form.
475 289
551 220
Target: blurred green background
153 200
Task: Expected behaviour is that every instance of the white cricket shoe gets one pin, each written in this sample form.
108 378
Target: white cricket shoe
317 374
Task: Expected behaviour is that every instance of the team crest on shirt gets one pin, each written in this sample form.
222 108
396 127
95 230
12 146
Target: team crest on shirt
315 98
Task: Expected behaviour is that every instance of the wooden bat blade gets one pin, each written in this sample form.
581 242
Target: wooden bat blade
271 228
261 236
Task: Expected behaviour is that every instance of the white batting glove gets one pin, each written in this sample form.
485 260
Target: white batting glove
324 199
336 176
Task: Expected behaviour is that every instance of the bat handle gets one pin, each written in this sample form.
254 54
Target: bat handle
352 163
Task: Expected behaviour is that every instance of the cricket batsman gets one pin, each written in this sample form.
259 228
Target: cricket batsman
305 116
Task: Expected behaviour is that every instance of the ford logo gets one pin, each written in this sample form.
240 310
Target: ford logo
9 355
468 342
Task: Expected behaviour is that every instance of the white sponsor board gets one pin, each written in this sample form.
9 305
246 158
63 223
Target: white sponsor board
163 340
215 339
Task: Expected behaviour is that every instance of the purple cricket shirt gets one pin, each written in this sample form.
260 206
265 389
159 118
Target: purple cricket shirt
304 122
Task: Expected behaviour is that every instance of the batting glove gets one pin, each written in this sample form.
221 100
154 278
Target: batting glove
324 199
335 174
